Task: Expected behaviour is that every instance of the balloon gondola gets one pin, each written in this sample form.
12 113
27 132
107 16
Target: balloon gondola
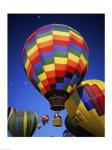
57 120
55 59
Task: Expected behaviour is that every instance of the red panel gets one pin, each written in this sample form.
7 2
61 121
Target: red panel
45 82
86 47
60 42
100 95
30 71
80 67
50 74
45 49
51 80
93 98
34 58
60 66
47 88
60 73
71 63
76 41
70 69
44 28
45 44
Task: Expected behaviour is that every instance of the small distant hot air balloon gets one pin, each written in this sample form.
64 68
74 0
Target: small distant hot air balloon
55 59
86 108
44 119
23 123
67 133
11 111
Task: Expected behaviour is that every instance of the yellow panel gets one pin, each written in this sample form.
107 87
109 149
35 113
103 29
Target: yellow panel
102 119
25 122
69 89
49 67
44 39
32 50
93 121
60 60
73 57
40 85
91 82
100 84
27 64
61 33
74 87
72 104
83 59
71 107
36 118
42 76
79 37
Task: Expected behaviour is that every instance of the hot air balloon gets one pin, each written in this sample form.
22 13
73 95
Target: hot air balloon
11 111
55 59
44 119
86 108
23 123
67 133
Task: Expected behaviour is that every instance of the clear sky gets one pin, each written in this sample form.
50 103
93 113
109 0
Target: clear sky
21 93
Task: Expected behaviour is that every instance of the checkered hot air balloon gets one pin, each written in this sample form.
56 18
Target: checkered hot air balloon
23 123
86 109
55 59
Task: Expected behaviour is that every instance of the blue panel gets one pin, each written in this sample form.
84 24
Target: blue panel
67 81
59 86
74 46
45 30
47 55
24 57
37 66
34 77
74 78
61 48
61 27
85 98
18 124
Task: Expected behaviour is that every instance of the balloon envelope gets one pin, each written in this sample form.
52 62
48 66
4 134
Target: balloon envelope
55 59
44 119
22 123
86 107
11 111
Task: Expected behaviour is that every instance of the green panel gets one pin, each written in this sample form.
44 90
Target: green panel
61 54
72 83
30 46
75 52
48 61
44 34
65 87
39 71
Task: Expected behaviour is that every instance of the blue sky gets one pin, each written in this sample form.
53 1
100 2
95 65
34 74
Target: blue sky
21 93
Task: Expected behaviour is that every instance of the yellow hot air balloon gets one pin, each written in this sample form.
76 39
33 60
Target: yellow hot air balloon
86 107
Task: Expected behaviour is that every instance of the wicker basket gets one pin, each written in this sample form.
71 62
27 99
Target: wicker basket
57 121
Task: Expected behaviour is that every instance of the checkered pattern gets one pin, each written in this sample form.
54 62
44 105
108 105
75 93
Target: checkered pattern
55 57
